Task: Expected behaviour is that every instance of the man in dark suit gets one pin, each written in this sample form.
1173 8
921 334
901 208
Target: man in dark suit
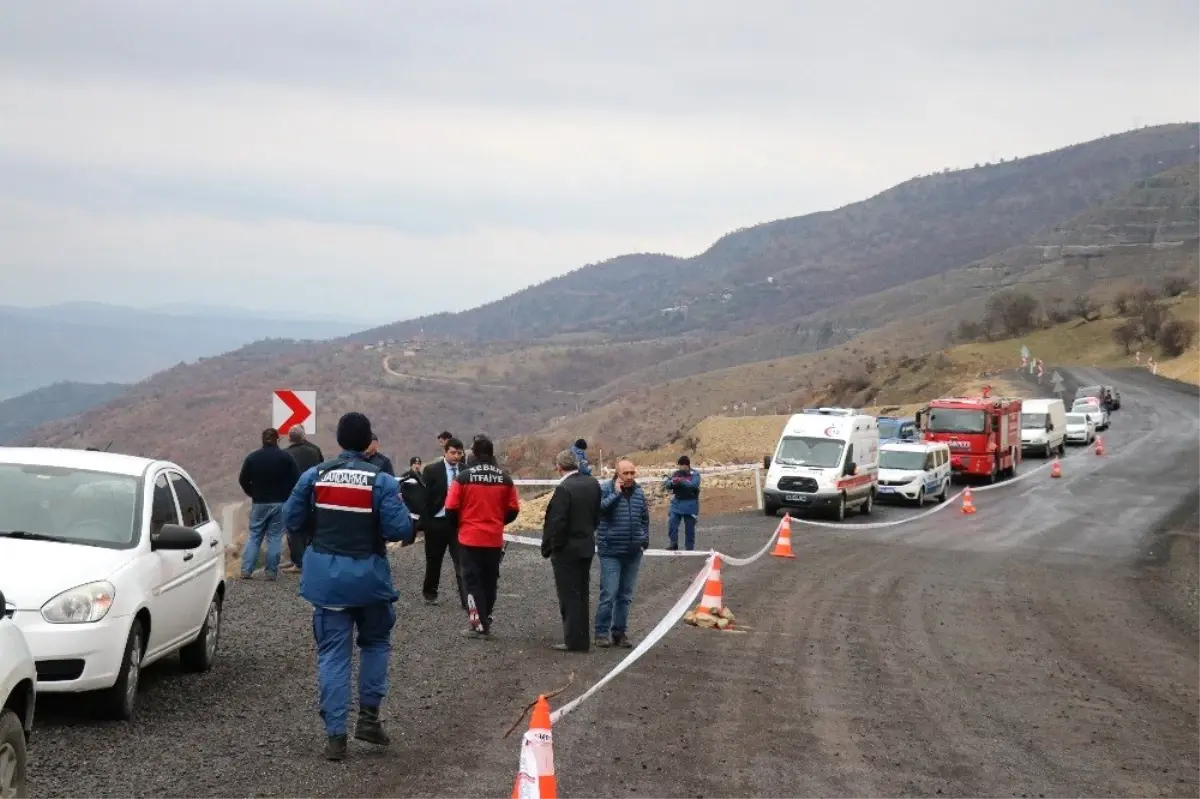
569 540
440 531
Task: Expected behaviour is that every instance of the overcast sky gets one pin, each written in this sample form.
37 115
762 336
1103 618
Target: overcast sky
387 159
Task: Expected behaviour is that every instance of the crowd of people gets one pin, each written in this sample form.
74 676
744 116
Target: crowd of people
339 514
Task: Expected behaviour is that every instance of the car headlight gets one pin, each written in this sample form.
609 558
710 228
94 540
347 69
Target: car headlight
80 605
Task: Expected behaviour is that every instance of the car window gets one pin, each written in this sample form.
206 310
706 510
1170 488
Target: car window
930 462
944 454
163 509
77 505
191 506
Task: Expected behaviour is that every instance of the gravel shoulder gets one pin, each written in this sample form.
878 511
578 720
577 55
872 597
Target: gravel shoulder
1017 651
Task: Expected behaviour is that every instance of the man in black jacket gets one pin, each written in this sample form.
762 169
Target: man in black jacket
268 476
569 540
307 455
412 490
441 534
378 458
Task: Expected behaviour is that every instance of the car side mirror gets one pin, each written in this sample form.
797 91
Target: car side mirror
1 604
851 468
175 537
766 461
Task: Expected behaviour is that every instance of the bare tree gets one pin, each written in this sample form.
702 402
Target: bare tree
1012 311
1128 334
1154 315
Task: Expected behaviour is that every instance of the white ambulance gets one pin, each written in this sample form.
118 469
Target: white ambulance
828 460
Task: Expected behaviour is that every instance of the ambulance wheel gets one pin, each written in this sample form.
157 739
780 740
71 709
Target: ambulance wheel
770 510
920 500
865 508
839 513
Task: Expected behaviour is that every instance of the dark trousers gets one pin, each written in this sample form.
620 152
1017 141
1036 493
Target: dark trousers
571 577
480 574
440 536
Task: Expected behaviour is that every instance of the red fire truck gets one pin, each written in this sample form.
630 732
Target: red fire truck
983 433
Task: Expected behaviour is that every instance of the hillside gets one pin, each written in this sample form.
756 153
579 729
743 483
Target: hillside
771 273
97 343
19 415
640 393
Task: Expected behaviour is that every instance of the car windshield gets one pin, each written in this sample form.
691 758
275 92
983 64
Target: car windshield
806 451
72 505
901 461
1033 421
1089 391
889 428
1085 405
1076 418
955 420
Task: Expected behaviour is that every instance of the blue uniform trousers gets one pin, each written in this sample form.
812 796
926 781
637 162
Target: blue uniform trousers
333 631
689 529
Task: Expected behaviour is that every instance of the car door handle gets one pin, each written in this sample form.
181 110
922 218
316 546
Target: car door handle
213 543
189 556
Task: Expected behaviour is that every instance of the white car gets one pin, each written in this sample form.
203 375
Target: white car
1091 406
913 471
110 562
18 681
1081 429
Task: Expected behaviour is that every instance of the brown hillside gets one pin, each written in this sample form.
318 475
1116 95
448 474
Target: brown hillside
639 393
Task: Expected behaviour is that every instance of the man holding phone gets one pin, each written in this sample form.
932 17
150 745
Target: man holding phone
623 534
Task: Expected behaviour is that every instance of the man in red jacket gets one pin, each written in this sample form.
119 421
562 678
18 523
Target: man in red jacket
482 500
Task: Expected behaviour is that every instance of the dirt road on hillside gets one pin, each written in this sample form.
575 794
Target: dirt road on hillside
1040 647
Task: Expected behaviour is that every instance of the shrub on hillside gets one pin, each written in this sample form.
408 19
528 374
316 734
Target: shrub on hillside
1086 308
1175 285
1175 336
969 330
1128 334
1012 311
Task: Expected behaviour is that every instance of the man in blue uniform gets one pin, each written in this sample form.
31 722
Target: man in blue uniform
355 508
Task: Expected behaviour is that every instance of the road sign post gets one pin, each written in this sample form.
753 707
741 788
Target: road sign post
291 408
1056 383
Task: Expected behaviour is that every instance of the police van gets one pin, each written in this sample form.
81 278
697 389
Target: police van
826 460
913 471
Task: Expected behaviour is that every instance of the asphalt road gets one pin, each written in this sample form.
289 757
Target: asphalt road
1013 652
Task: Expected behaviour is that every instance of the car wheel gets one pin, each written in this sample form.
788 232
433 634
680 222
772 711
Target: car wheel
1048 451
839 513
920 500
200 654
120 701
945 490
866 507
12 757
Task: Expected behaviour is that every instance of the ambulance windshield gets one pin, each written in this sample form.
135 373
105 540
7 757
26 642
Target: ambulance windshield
822 453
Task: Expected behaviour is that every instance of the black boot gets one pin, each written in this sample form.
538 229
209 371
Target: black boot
335 747
370 728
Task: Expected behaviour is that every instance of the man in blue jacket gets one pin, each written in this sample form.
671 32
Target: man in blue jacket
355 508
623 534
684 485
580 450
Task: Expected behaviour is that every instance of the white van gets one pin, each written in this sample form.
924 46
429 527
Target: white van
1043 426
913 471
827 459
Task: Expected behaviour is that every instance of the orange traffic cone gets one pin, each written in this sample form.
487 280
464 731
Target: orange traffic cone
968 504
1099 445
783 547
711 601
535 774
1056 469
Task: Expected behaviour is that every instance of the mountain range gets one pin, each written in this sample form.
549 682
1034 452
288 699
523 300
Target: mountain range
92 342
629 350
